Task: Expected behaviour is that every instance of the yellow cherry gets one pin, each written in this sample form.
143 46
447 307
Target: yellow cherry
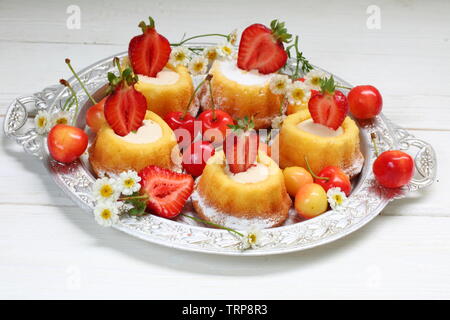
295 178
311 201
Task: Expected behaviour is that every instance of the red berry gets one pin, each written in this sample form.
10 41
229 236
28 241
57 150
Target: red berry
149 52
328 109
95 116
260 49
196 156
125 109
241 150
215 125
183 126
336 179
365 102
66 143
168 191
393 169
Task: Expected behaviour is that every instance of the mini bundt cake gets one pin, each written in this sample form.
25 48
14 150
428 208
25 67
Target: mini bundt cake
300 137
169 91
241 93
256 197
154 143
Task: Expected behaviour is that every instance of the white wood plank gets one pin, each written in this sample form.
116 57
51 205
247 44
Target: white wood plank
44 251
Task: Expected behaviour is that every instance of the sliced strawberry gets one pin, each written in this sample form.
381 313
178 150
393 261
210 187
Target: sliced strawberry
262 48
168 191
149 52
136 109
125 109
328 107
241 150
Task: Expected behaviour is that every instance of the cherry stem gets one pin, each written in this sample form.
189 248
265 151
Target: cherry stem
312 172
213 107
198 36
207 78
212 224
343 87
134 197
74 97
79 80
373 136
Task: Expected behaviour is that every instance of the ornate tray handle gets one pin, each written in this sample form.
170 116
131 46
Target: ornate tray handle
425 162
20 113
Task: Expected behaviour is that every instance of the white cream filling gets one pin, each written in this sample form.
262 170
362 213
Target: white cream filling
258 172
231 71
319 129
164 77
149 132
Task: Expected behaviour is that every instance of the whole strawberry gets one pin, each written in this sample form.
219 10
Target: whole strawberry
328 107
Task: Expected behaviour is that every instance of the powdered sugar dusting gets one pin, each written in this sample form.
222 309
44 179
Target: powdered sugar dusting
229 221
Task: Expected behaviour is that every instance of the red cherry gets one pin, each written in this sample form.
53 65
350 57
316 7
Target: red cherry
178 121
393 169
215 125
66 143
95 116
365 102
196 155
336 179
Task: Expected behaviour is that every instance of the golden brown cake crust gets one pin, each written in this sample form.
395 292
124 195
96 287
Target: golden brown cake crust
110 153
241 100
163 99
342 151
266 200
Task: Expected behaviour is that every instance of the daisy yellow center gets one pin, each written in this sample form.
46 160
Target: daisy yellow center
227 50
62 121
106 191
280 85
315 81
298 94
198 66
211 55
180 56
42 121
128 183
252 238
106 214
338 199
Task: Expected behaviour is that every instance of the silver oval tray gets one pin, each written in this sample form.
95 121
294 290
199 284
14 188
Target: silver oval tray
366 201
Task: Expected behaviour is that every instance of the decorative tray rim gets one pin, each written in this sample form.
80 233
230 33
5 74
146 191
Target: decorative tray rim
366 201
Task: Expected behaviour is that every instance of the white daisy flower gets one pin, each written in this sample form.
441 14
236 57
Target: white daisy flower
278 121
179 56
252 238
42 122
312 79
336 198
198 65
129 182
62 117
279 84
233 37
298 93
106 213
226 50
106 189
211 53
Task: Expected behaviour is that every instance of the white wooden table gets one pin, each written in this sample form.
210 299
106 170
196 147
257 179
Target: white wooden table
50 249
